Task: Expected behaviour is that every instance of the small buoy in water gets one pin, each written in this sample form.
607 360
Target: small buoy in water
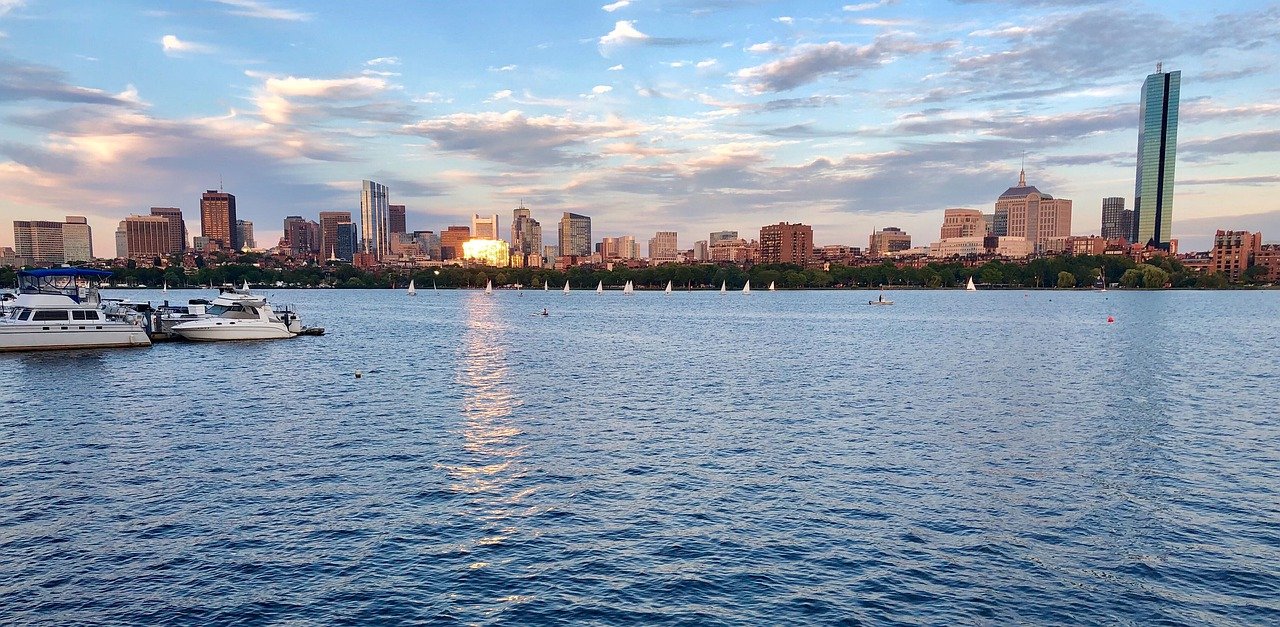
358 374
1110 319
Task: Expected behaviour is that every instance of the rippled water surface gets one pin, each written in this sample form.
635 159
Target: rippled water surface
788 457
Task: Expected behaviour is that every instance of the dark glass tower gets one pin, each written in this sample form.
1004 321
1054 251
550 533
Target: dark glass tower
1157 150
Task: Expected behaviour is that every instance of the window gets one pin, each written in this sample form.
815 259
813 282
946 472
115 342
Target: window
25 314
78 314
50 314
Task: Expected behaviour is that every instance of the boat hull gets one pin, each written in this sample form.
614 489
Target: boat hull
70 336
216 330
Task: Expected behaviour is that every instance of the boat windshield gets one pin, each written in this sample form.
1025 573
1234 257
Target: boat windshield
74 283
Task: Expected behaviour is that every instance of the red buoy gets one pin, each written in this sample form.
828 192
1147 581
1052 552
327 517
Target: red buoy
1110 319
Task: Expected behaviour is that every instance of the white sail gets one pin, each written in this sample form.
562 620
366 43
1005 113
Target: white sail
411 291
668 287
246 285
488 287
629 289
722 288
544 287
771 287
746 289
165 289
970 287
600 287
566 286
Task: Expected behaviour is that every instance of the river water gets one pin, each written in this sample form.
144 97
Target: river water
698 458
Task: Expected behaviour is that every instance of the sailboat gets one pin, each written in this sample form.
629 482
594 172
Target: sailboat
668 291
165 289
970 287
1102 279
722 290
600 287
488 287
746 289
629 289
566 286
771 287
544 287
411 291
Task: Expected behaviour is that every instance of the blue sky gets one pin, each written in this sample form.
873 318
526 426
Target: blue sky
692 115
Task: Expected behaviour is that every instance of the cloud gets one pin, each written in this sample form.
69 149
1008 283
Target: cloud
764 47
616 5
261 10
616 68
505 68
866 6
601 89
1251 142
8 5
809 62
171 45
1266 179
785 20
383 61
293 99
706 63
625 33
30 81
504 94
516 139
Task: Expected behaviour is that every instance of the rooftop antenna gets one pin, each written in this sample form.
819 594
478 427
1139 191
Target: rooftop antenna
219 182
1022 174
1159 67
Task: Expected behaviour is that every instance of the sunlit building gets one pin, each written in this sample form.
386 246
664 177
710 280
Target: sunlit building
451 241
39 240
146 237
890 239
721 236
77 239
490 252
663 247
1032 214
484 227
329 221
786 243
1157 152
375 227
1234 252
526 236
218 219
177 228
701 250
960 222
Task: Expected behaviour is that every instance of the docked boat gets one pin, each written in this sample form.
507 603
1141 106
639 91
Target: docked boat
59 308
239 315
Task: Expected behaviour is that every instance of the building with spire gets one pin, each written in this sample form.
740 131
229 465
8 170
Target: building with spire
1157 152
1026 212
526 237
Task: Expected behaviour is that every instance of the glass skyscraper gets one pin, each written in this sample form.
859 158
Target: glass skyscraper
375 220
575 235
1157 151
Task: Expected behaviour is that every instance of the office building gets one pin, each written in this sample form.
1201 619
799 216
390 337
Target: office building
38 240
346 240
1033 215
177 228
575 235
329 221
429 242
77 240
1234 252
701 250
890 239
1117 222
786 243
395 219
375 227
146 237
451 241
526 236
662 247
218 219
721 236
963 223
301 236
484 227
1157 152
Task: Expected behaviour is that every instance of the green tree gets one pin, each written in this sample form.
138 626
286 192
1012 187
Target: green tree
1257 275
1144 275
1066 280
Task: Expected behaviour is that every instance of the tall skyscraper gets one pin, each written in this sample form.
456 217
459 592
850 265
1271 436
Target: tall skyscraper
786 243
526 235
395 218
662 247
375 223
346 240
484 227
575 235
77 239
1117 222
39 240
1157 151
1031 214
218 219
329 221
177 228
244 235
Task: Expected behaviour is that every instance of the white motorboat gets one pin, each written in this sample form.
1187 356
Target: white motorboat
881 300
242 316
59 308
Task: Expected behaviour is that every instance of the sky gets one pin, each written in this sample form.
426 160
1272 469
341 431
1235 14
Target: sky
647 115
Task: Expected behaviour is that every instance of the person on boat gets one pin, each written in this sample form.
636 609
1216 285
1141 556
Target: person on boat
544 311
881 298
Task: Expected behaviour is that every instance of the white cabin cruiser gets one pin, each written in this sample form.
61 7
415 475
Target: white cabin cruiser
58 308
239 315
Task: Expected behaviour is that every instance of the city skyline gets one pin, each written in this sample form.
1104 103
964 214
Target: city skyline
647 116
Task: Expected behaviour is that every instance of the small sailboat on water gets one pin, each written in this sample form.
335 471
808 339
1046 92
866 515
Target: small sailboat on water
628 289
771 287
668 290
488 287
600 287
566 286
746 289
970 287
722 288
165 288
411 291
